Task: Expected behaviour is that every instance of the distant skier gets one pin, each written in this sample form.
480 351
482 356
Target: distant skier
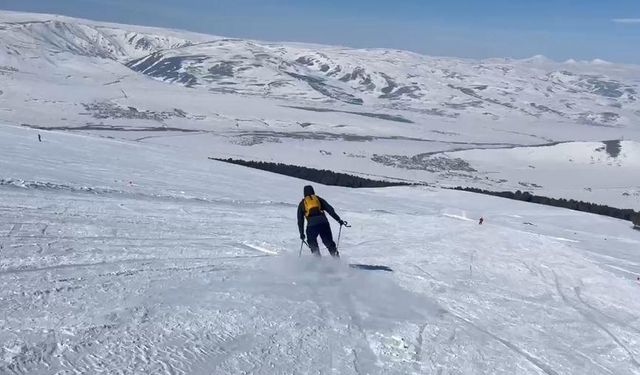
312 208
481 220
39 138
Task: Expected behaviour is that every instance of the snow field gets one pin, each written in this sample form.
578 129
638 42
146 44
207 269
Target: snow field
121 257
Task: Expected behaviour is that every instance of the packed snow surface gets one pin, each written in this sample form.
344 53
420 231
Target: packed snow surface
121 257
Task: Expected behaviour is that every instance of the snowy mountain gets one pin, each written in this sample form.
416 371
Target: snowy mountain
399 80
42 34
383 113
390 79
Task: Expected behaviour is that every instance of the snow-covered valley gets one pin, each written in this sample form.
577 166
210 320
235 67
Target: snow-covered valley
382 113
125 250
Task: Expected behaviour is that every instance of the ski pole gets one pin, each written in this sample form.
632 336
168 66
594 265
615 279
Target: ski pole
346 225
302 243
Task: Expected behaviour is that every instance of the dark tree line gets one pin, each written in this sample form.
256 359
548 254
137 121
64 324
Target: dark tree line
572 204
321 176
326 177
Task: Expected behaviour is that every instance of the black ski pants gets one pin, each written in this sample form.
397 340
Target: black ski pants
324 231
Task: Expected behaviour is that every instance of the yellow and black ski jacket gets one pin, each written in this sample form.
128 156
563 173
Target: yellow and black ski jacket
312 208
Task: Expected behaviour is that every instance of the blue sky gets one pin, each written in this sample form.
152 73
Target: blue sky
560 29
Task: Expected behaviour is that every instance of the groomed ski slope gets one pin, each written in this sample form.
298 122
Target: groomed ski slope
128 258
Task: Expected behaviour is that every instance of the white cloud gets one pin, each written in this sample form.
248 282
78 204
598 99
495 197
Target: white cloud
626 20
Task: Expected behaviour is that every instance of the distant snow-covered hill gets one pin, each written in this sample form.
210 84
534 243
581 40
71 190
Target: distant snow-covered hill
537 87
386 113
37 34
400 80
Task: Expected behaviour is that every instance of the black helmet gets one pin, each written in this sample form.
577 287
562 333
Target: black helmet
308 190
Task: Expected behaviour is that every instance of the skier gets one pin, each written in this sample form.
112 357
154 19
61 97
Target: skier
312 207
39 138
481 220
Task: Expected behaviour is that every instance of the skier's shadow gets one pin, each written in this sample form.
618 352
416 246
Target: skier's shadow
370 267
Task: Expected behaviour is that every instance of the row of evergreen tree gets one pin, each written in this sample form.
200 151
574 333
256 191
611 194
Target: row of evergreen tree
572 204
321 176
326 177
